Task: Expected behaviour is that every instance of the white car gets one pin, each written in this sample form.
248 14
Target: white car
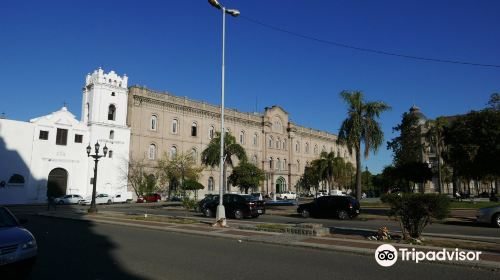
286 195
68 199
122 197
101 198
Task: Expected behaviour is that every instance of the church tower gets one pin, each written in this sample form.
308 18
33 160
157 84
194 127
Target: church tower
104 111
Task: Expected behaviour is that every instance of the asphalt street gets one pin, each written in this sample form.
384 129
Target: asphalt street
83 250
477 231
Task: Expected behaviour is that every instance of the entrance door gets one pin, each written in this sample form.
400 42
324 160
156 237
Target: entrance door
57 182
280 185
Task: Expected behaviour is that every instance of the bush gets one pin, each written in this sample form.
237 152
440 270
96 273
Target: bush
189 203
415 211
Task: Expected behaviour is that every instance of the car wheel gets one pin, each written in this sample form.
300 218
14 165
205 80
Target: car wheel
238 214
109 201
207 212
343 215
305 213
496 220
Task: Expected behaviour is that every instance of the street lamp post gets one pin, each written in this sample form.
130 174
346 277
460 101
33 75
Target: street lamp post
221 213
96 157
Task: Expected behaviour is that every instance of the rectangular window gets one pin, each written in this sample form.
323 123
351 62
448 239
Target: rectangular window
78 138
62 137
44 135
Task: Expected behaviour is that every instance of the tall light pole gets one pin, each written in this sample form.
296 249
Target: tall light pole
96 157
221 212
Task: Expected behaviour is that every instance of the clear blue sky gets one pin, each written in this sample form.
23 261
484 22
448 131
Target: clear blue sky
47 48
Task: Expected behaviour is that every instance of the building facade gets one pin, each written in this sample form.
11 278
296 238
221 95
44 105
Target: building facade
47 155
162 123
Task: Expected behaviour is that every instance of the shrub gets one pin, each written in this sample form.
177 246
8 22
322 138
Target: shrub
189 203
415 211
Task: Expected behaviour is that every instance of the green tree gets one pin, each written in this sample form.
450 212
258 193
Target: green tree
435 135
367 179
361 126
177 170
309 179
211 155
246 176
408 146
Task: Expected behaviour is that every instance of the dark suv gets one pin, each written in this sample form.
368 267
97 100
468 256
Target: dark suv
236 206
338 206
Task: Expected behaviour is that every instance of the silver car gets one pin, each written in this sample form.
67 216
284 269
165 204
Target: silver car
17 244
489 215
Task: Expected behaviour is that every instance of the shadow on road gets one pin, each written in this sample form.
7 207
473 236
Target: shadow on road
71 249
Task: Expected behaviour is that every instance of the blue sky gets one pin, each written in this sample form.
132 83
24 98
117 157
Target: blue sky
49 46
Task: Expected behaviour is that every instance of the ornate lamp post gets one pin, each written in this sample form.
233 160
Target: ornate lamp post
221 213
96 157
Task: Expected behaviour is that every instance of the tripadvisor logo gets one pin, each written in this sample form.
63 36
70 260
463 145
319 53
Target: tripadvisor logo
387 255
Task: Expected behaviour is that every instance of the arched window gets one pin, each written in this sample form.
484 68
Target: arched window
242 137
270 163
210 184
194 155
307 148
152 151
111 134
211 131
16 179
284 145
154 122
270 142
111 112
173 152
110 153
255 139
297 147
285 167
278 164
175 126
113 93
194 129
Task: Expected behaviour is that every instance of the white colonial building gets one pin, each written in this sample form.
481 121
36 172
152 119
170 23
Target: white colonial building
48 154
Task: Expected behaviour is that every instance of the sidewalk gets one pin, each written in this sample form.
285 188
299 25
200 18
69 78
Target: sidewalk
202 226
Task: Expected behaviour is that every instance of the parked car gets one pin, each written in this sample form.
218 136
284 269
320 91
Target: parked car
101 198
17 245
154 197
207 199
68 199
237 206
342 207
286 195
122 197
489 215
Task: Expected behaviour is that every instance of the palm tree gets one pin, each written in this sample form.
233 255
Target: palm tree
361 126
436 137
211 155
328 167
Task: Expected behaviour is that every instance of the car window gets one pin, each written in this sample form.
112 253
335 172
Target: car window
249 197
6 219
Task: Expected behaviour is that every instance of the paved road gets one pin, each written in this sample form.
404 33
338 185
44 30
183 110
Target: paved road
83 250
475 231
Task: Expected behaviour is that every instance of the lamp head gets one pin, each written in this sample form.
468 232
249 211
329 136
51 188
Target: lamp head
97 148
105 150
215 3
88 150
233 12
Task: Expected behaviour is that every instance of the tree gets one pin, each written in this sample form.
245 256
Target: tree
416 211
211 155
494 102
361 126
408 146
176 170
309 179
246 176
136 176
367 179
435 135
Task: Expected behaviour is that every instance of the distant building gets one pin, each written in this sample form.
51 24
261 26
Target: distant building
163 123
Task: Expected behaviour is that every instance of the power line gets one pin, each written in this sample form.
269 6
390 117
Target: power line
342 45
